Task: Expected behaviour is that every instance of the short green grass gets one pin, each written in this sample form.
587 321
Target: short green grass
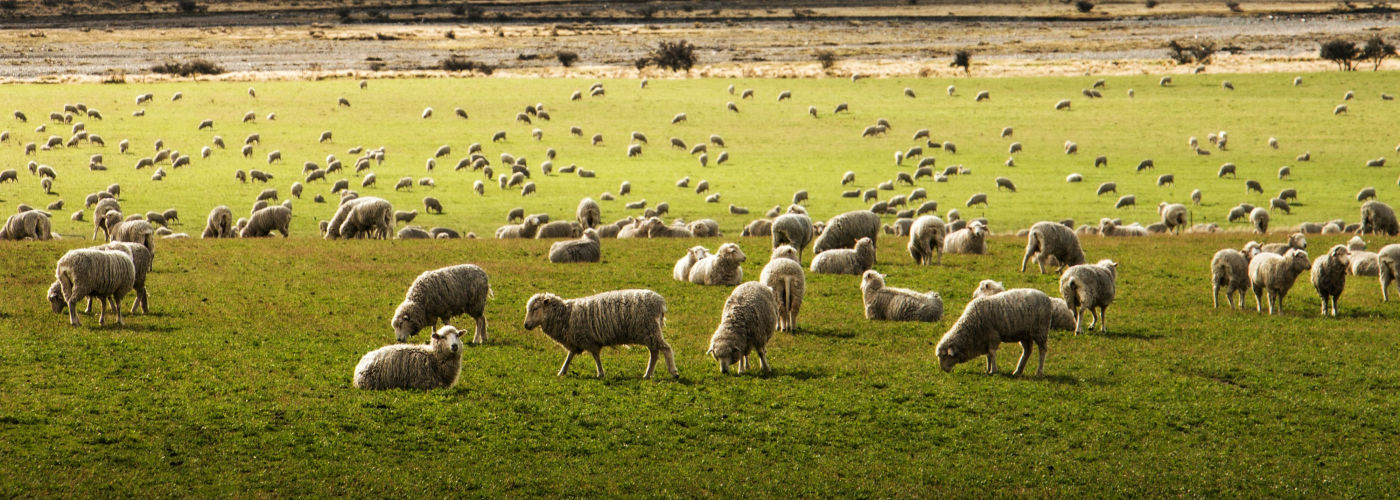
238 382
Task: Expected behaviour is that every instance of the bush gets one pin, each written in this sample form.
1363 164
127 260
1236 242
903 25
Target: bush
642 62
1151 4
188 68
459 63
459 10
1187 53
343 13
827 58
1084 6
566 57
675 56
114 76
1376 51
188 7
962 59
1342 52
9 4
1233 6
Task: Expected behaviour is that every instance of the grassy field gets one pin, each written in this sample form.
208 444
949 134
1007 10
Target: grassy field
238 383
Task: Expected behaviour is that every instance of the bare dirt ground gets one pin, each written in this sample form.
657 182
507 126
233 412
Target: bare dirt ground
308 39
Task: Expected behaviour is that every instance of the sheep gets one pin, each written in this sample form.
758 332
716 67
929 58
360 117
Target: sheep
722 268
852 261
1275 274
1378 217
526 229
1125 201
970 239
584 249
758 227
1329 275
978 198
431 205
1259 218
704 228
1091 287
1229 269
1174 216
1001 182
88 272
1378 162
141 257
27 224
783 274
559 229
1050 240
219 224
441 294
588 324
263 222
1340 109
1196 196
1295 240
1165 179
1063 317
1304 157
681 271
843 230
1109 227
434 365
413 233
747 323
1062 104
926 238
1366 193
795 230
1388 268
884 303
1020 315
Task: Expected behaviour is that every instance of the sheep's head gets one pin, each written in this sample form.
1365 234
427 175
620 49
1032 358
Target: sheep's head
1298 260
56 300
725 354
948 358
988 288
1296 240
447 341
1110 265
731 252
865 245
538 306
871 280
796 209
1341 255
408 319
784 252
590 234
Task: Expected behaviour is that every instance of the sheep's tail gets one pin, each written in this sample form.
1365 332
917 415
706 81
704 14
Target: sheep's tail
1388 263
1072 284
490 294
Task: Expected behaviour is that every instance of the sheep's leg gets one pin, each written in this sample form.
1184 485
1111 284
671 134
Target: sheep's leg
1040 349
1215 296
117 308
991 361
651 362
1258 301
1385 285
141 300
763 360
568 358
73 311
1025 356
670 361
598 363
480 337
1093 318
88 309
102 311
1103 319
940 254
743 364
1078 318
1027 258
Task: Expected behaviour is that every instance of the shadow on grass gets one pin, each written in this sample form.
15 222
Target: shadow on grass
833 333
150 328
1120 334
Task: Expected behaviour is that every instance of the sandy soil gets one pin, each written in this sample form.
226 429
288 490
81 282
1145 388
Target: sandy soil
1043 38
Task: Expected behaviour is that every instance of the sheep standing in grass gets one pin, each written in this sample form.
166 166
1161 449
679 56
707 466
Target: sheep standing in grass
1019 315
104 274
852 261
141 257
793 229
584 249
135 231
784 275
1063 317
1329 276
1174 215
926 236
884 303
971 239
27 224
1275 274
1229 269
219 224
441 294
1092 287
263 222
588 213
681 271
434 365
749 318
1388 268
588 324
1377 217
1049 240
359 217
1259 218
842 231
722 268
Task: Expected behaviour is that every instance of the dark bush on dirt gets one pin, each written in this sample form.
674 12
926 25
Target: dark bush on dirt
459 63
962 59
188 68
827 58
1084 6
1377 50
1187 52
1342 52
675 56
566 57
1150 4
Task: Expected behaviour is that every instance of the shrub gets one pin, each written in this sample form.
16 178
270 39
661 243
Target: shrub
343 13
962 59
642 62
1377 50
566 57
1150 4
9 4
1186 52
114 76
188 68
1084 6
1233 6
459 63
188 7
827 58
675 56
1339 51
459 10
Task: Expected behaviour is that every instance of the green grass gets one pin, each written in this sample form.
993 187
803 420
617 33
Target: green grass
237 384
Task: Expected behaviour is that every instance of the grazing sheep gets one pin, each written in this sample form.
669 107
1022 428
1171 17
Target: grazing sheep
219 224
359 217
434 365
588 324
1366 193
1377 217
264 221
1091 287
431 205
1002 182
1146 164
1062 104
884 303
141 257
1279 204
1329 276
1019 315
1125 201
1051 240
970 239
1340 109
106 275
795 230
747 323
758 227
1196 196
585 249
441 294
843 230
405 216
1274 274
978 198
852 261
1259 218
1388 264
1165 179
926 238
722 268
784 275
1229 269
27 224
1174 215
1107 187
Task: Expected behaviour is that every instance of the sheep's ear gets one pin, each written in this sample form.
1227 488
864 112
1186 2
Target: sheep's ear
436 336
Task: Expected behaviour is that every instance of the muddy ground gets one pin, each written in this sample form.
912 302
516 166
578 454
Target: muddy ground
307 39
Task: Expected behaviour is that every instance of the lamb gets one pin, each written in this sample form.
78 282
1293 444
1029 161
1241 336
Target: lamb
971 240
434 365
1174 215
785 277
1051 240
405 216
588 214
585 249
978 198
1125 201
926 238
263 222
843 231
681 271
1329 276
1003 182
1295 240
441 294
749 318
219 224
1378 217
104 274
1274 274
1366 193
1020 315
852 261
1259 218
588 324
1092 287
722 268
884 303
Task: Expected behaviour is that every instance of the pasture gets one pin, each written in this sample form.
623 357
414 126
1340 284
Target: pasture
238 383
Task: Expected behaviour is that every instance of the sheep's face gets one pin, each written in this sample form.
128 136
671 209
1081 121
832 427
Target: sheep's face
1296 240
446 340
871 280
537 306
698 252
1341 255
732 253
407 320
1299 259
988 288
947 359
784 252
726 355
56 300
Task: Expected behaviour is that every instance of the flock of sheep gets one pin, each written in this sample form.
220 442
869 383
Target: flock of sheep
755 310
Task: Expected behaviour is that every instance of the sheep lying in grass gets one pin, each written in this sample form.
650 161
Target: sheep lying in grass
971 239
434 365
842 231
1229 269
926 238
1388 268
749 318
784 275
1020 315
846 260
681 271
1274 274
441 294
1295 240
722 268
588 324
1092 287
884 303
1329 276
1107 227
1049 240
584 249
103 274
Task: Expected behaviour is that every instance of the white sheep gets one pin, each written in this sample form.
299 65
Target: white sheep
846 260
722 268
1388 268
1274 274
1229 269
1063 317
747 323
784 275
1329 276
441 294
1021 315
434 365
1092 287
588 324
263 222
843 230
970 240
884 303
681 271
926 237
1175 215
1048 240
104 274
792 229
584 249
